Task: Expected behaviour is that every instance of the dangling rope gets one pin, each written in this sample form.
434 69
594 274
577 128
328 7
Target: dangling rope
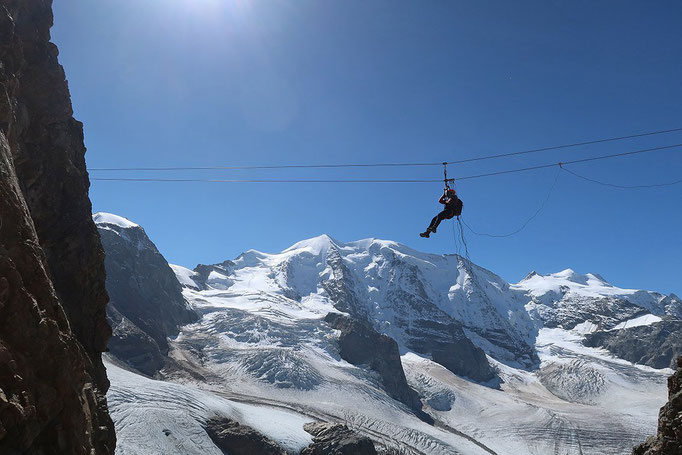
464 240
523 226
468 265
454 238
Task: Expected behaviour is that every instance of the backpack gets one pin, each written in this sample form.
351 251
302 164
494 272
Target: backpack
458 207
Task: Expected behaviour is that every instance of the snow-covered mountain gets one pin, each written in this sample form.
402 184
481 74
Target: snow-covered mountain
417 298
501 368
567 298
427 303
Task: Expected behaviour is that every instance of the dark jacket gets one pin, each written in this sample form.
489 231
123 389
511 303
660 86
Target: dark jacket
452 205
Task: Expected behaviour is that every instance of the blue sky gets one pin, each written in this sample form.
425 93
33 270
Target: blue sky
240 82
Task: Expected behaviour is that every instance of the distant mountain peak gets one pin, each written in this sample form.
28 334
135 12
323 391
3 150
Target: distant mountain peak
102 218
567 277
315 245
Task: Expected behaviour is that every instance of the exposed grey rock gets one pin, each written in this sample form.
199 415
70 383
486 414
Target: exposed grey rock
133 346
673 306
668 439
203 273
656 345
605 312
147 305
448 345
340 287
236 439
359 344
336 439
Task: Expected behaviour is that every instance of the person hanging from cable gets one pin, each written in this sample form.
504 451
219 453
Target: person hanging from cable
453 207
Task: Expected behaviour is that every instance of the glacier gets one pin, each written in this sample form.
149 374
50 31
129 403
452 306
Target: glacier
261 340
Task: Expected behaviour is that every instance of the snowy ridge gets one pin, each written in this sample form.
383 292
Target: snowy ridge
185 276
568 299
549 287
391 285
116 220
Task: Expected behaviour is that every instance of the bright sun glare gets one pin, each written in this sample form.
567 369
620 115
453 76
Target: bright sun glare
213 6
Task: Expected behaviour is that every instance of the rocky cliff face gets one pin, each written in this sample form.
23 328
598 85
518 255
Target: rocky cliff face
656 345
359 344
336 439
52 295
146 305
236 439
668 440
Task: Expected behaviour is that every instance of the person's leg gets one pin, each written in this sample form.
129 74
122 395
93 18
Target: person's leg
435 222
444 215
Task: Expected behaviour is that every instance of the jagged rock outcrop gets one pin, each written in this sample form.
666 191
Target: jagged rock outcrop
146 305
336 439
53 326
668 440
425 328
448 346
359 344
236 439
130 344
656 345
207 275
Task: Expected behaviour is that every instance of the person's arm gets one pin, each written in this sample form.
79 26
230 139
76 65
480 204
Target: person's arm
443 199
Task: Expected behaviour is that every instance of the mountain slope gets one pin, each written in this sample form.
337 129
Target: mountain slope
427 303
146 303
567 298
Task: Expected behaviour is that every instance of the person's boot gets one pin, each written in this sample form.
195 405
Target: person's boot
426 233
433 230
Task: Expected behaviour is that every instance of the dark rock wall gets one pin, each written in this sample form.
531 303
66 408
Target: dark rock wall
359 344
668 439
656 345
52 284
336 439
236 439
448 345
131 345
147 305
